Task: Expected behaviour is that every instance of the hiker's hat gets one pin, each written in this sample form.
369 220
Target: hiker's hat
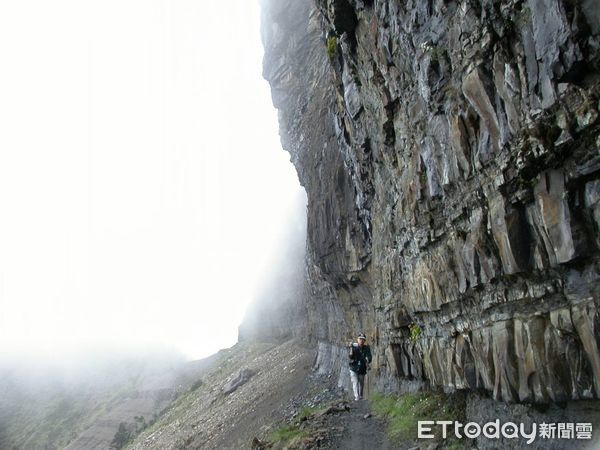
362 336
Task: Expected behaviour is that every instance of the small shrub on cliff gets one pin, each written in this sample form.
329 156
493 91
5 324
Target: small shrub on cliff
121 438
415 332
331 46
197 384
307 412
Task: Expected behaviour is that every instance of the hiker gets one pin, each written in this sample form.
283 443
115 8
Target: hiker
360 358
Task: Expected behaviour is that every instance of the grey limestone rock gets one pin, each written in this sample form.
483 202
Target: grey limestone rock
450 155
242 377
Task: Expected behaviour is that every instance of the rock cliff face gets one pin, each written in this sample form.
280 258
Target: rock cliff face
450 151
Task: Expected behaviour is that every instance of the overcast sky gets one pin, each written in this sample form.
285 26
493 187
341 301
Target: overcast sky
142 182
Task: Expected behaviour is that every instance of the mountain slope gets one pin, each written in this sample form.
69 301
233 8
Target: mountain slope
210 418
81 407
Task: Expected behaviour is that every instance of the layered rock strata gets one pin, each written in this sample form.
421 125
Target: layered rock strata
450 151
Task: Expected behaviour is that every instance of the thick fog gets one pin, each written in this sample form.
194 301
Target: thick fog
143 190
277 311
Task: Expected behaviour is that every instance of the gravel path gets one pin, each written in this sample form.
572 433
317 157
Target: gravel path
361 431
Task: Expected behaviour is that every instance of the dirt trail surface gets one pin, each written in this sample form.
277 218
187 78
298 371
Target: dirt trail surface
361 431
342 425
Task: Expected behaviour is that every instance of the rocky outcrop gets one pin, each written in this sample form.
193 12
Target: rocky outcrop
236 381
450 151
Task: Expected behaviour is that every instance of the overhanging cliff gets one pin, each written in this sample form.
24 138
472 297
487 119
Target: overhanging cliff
450 151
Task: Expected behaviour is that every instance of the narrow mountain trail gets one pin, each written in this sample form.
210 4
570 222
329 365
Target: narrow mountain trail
361 430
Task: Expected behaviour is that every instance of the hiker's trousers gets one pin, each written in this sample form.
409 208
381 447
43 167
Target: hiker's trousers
358 384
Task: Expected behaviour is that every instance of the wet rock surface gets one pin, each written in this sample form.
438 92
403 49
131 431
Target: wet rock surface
450 151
